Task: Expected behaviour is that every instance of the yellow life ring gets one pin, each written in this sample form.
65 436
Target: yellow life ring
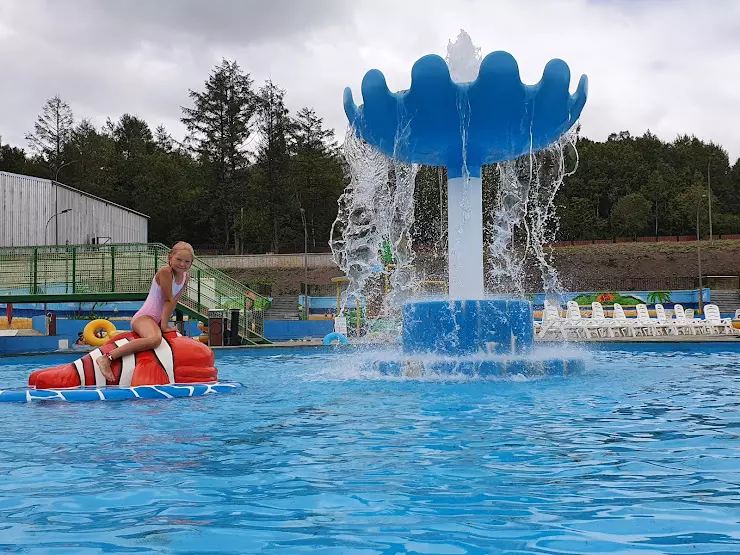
90 329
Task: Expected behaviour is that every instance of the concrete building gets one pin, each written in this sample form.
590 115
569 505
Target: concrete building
36 211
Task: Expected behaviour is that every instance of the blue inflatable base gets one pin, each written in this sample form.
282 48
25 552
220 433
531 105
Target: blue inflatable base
418 367
81 394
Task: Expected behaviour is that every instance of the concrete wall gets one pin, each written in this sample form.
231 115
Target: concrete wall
23 344
312 260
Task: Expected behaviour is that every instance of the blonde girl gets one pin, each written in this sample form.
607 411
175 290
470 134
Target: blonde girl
152 320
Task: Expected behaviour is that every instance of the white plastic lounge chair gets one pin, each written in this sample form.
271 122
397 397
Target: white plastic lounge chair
605 326
552 321
714 323
625 324
685 324
666 324
644 323
574 322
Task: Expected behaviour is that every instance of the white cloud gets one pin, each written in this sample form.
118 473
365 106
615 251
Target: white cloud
670 66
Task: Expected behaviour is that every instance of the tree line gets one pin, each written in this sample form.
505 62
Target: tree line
638 186
251 176
625 186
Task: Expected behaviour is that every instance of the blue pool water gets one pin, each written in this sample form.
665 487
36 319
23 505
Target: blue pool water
638 454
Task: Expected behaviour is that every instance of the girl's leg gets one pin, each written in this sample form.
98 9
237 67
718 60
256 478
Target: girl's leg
150 336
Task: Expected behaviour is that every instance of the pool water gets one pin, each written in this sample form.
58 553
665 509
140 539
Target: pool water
638 454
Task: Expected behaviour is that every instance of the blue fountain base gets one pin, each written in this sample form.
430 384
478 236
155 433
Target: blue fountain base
479 338
459 328
530 368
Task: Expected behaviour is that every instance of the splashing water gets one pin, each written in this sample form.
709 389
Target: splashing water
463 58
375 211
523 219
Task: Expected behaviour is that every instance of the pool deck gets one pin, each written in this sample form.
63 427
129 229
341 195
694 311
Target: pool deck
539 341
648 339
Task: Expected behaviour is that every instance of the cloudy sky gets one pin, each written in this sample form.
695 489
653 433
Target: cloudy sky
672 66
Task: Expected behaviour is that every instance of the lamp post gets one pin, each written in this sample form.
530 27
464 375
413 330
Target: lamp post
709 196
56 200
305 258
698 256
46 228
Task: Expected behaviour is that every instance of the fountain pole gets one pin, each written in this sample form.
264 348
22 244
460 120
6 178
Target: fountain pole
465 237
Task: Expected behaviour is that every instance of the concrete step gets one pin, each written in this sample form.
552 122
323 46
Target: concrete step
283 308
726 300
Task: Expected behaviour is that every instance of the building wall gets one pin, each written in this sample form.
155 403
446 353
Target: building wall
28 203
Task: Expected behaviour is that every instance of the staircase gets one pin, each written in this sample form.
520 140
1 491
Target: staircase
728 300
283 308
122 272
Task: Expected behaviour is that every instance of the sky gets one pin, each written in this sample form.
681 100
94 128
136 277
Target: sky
671 66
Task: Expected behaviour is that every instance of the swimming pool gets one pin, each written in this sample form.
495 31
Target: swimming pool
639 454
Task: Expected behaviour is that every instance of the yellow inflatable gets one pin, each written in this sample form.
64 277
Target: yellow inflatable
203 337
92 332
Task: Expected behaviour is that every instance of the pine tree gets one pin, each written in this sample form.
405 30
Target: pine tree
52 133
315 173
219 126
273 157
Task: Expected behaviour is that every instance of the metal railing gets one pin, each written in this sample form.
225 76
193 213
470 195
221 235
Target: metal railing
124 268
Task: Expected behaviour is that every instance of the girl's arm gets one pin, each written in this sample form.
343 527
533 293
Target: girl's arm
165 279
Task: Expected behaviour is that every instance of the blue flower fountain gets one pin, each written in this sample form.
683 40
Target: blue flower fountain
463 126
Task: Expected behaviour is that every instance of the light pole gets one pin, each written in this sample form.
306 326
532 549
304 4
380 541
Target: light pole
46 229
305 258
56 201
709 193
698 256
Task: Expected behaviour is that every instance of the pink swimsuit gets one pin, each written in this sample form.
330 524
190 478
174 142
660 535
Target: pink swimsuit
154 302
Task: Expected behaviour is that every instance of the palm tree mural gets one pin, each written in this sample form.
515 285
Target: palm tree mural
659 297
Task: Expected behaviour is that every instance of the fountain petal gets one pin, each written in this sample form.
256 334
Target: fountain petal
458 125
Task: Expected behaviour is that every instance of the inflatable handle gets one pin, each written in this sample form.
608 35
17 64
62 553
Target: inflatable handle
335 335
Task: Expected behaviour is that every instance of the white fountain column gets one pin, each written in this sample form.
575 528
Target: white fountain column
465 237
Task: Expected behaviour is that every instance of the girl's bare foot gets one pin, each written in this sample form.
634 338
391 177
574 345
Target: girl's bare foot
103 363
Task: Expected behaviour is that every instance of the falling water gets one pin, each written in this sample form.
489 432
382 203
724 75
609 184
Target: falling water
376 212
523 220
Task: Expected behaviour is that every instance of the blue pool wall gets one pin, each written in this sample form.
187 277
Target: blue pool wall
287 330
468 327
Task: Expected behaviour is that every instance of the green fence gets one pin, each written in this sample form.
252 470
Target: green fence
110 270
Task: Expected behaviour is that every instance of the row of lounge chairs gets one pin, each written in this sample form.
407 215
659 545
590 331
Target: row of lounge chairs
574 326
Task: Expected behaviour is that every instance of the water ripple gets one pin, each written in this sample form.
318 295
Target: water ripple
637 455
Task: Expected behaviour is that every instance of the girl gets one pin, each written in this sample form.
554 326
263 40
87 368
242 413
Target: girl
151 321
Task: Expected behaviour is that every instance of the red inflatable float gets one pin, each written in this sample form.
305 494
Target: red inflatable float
178 359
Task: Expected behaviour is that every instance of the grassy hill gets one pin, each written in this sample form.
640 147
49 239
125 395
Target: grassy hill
612 266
